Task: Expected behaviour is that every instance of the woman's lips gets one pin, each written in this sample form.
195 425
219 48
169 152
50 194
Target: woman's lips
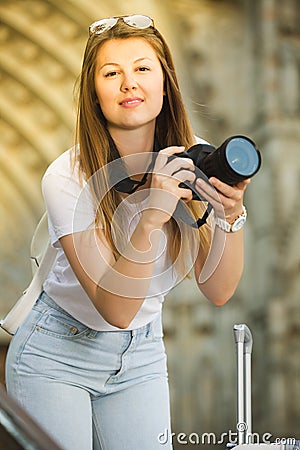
131 102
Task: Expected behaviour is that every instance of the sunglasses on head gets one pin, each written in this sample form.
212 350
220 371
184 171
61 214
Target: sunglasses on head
135 21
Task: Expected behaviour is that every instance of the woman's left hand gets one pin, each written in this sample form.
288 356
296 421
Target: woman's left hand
226 200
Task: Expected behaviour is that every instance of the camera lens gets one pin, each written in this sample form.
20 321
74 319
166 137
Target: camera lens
242 156
235 160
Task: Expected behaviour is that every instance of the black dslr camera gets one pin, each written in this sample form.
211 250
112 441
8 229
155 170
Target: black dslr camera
235 160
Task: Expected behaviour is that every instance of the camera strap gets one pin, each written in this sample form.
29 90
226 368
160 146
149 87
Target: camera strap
128 185
181 212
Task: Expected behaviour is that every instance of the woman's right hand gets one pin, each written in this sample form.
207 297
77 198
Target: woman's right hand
165 191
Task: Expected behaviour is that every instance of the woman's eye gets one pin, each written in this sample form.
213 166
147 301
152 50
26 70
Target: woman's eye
143 69
110 74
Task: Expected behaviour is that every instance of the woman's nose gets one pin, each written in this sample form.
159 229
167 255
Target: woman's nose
128 83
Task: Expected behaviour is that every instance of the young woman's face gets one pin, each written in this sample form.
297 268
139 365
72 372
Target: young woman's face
129 83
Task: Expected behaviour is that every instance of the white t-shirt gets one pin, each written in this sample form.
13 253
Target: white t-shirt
71 209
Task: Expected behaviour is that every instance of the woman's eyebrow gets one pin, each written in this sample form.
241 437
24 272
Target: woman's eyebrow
109 64
142 59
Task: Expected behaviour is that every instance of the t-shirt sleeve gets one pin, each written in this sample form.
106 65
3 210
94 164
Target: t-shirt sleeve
199 140
69 205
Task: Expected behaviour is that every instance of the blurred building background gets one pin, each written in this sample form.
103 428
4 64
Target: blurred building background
239 67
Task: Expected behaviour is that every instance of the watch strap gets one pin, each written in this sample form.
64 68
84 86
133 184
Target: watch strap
230 227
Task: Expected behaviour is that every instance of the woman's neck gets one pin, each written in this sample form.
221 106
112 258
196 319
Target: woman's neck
129 142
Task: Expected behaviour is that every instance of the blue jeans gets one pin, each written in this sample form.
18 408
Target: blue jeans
100 390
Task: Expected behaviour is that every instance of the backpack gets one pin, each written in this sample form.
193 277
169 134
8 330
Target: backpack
43 257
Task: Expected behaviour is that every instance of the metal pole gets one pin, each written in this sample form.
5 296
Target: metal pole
248 403
243 340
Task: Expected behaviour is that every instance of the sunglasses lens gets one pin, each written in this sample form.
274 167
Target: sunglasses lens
138 21
102 25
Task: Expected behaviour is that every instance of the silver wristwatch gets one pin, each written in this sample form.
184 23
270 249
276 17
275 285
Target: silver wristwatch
238 223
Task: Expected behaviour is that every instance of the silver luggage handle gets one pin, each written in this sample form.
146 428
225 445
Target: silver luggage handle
244 341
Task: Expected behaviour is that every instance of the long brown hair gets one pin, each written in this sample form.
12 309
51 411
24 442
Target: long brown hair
172 128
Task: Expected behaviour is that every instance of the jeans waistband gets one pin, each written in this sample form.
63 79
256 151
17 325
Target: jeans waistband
155 325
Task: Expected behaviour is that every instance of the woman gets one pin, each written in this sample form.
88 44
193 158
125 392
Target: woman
89 362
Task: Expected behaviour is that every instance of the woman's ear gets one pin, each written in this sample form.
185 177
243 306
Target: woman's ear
166 87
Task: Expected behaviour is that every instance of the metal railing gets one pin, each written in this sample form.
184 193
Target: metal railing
18 431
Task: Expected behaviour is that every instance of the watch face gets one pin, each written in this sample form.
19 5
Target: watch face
238 224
